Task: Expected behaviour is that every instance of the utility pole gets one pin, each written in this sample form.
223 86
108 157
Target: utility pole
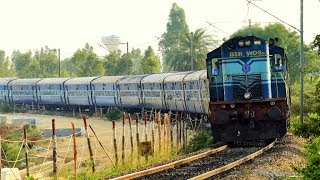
59 62
191 51
301 61
250 28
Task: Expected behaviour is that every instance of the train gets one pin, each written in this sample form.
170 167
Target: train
244 91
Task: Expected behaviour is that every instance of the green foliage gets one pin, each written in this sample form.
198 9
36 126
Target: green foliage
26 66
48 62
150 64
136 58
201 140
114 114
309 128
117 64
316 43
5 65
170 44
85 62
312 151
12 150
6 108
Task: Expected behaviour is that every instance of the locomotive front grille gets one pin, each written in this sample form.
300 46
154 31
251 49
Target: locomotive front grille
247 83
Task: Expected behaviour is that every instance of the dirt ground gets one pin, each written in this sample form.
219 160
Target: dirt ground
277 163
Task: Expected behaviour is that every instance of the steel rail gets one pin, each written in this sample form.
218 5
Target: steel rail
233 164
171 165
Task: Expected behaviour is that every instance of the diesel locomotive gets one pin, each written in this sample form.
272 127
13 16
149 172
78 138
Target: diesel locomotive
245 91
249 90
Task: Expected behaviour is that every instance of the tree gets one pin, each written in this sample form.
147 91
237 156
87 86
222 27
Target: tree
316 43
150 64
5 65
25 64
197 45
85 62
117 64
136 57
289 40
170 43
48 62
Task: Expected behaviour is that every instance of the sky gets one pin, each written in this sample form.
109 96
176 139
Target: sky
68 24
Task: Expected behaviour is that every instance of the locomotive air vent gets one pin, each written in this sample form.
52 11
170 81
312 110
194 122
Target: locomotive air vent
247 83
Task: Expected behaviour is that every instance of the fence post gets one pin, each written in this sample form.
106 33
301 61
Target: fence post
88 141
123 141
145 130
171 132
137 135
152 132
180 128
26 147
183 131
159 130
165 132
74 150
131 138
54 149
115 142
0 156
177 128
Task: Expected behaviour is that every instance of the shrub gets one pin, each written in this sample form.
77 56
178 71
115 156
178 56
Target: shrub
312 151
309 128
201 140
114 114
6 108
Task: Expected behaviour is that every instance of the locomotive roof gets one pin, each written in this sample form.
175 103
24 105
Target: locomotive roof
155 78
196 75
132 79
106 80
52 81
4 81
18 82
80 80
176 76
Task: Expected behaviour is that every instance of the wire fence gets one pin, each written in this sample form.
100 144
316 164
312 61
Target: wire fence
135 140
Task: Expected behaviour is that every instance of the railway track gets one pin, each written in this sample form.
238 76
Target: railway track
201 166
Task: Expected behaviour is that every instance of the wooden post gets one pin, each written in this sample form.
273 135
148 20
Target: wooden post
115 142
123 141
159 130
131 137
26 147
102 145
88 141
177 127
0 156
137 135
145 130
171 132
54 149
165 132
152 132
74 150
180 128
183 131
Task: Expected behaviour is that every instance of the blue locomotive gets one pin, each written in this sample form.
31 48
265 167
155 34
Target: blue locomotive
249 90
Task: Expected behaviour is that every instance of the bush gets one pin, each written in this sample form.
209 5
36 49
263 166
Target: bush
312 151
114 114
201 140
6 108
309 128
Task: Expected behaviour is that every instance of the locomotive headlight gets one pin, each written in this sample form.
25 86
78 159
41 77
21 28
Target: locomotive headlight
272 103
247 42
232 106
247 95
241 43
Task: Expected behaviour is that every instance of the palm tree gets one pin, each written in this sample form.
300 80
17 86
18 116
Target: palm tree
196 46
